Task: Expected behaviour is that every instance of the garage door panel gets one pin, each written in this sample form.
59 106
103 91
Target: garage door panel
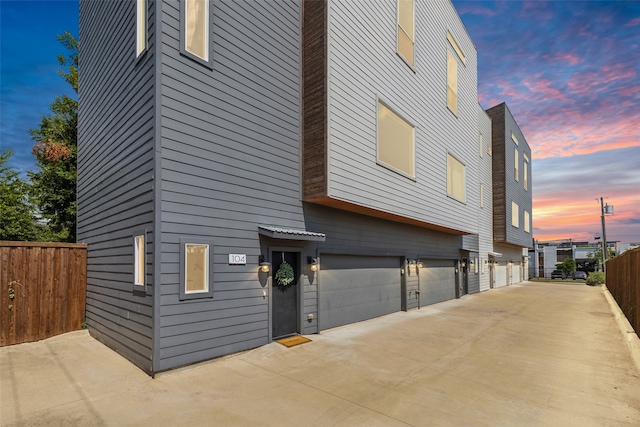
354 288
516 272
501 275
437 281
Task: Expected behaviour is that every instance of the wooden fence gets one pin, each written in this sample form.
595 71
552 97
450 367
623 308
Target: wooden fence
42 290
623 281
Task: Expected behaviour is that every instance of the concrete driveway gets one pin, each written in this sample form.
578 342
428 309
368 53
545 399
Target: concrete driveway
537 354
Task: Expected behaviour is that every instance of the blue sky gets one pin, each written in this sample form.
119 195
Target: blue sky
568 70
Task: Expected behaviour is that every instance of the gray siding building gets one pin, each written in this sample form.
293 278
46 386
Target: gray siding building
253 170
512 200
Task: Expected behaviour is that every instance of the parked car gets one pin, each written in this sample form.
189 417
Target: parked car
580 275
558 274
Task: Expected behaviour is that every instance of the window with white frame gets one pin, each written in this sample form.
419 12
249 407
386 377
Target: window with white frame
480 144
139 260
525 171
516 171
526 220
396 141
513 138
481 195
515 214
452 83
456 186
196 17
196 268
141 26
406 30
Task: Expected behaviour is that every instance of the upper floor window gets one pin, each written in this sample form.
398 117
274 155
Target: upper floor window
406 24
480 144
516 172
525 171
456 47
515 214
396 141
141 26
452 83
527 220
195 23
513 137
456 186
481 195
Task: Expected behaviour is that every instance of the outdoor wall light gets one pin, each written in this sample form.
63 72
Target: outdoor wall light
313 263
463 264
419 263
265 266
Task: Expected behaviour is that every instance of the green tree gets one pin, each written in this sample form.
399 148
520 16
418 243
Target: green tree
568 266
54 182
17 219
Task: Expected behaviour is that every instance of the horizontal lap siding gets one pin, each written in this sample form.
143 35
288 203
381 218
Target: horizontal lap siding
115 173
363 65
230 161
485 213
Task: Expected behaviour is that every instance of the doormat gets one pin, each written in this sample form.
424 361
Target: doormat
294 340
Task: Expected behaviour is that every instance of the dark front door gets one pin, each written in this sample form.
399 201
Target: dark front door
284 297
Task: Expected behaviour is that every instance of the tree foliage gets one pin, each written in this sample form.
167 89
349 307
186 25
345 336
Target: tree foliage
17 219
568 266
54 182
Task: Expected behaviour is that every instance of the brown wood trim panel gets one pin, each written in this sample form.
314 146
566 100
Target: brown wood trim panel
499 176
314 99
363 210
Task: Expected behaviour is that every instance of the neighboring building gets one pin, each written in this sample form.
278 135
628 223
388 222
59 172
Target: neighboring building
333 135
512 200
548 255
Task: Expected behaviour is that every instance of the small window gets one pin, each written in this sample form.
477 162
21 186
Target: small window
452 83
476 266
139 261
481 195
195 269
406 23
196 18
516 172
525 175
456 47
513 137
480 144
515 214
527 220
455 178
141 26
196 275
396 141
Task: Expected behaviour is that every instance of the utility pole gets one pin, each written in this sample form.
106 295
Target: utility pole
608 210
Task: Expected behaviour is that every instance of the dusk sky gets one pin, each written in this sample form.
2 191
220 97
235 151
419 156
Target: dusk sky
568 70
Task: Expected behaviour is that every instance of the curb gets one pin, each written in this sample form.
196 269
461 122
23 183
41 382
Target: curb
628 334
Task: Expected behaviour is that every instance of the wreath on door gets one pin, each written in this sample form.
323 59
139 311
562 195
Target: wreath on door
284 275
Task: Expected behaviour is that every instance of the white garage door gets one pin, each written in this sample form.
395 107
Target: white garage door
515 273
437 281
501 275
356 288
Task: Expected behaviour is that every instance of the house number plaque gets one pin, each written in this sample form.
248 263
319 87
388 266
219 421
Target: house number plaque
240 259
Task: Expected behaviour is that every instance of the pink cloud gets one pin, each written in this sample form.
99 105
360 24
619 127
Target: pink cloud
633 22
476 10
617 71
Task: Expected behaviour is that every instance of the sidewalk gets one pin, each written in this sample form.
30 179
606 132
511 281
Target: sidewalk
537 354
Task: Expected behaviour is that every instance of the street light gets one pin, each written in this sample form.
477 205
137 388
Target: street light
606 210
